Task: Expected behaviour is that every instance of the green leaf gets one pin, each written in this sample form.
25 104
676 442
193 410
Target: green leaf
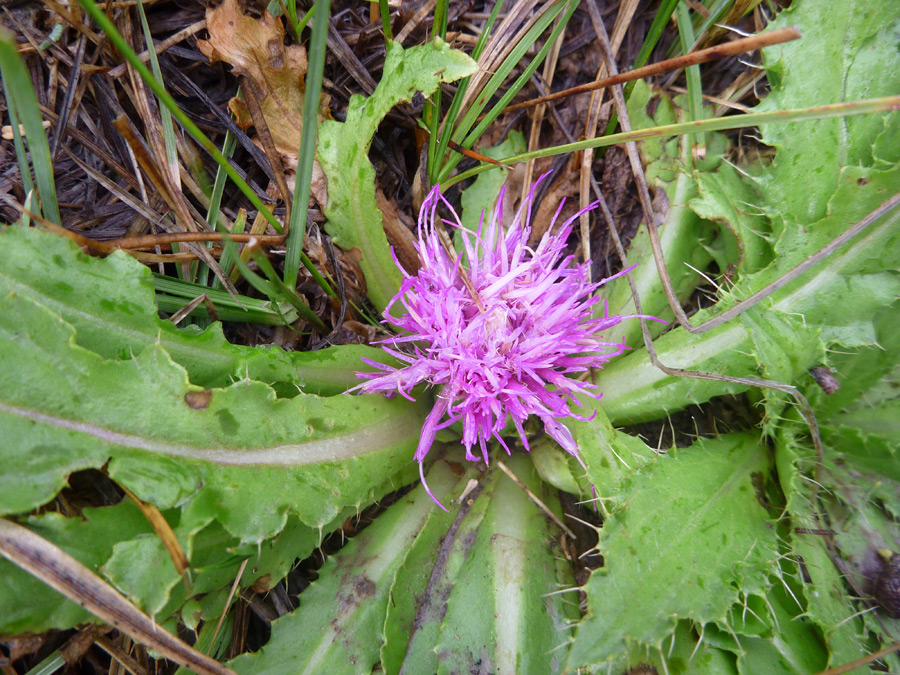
110 303
856 57
691 539
27 604
337 627
245 457
354 220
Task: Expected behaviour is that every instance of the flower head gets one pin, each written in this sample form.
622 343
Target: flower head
501 339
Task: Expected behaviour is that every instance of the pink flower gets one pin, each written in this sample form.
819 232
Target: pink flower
501 340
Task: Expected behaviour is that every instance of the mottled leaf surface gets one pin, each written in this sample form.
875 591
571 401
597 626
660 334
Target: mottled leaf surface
247 458
690 539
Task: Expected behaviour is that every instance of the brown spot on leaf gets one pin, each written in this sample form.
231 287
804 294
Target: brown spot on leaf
198 400
262 585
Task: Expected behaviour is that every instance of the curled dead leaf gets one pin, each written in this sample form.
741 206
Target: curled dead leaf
255 48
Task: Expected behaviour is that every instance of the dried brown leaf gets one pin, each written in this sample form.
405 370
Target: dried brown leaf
255 49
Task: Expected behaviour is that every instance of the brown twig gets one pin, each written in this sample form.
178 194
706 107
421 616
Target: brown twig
144 56
58 569
167 238
732 48
473 154
853 665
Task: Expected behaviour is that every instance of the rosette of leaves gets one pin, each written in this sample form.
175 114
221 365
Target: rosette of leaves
719 557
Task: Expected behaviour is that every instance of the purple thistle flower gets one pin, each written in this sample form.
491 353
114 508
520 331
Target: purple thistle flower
501 340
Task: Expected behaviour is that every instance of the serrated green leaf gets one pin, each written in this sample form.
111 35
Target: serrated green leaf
691 538
610 456
856 57
354 220
726 198
247 457
859 370
685 652
337 628
110 303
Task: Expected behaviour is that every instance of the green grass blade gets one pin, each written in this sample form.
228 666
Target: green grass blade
432 110
164 115
449 122
20 98
19 143
286 292
694 85
467 138
221 299
227 260
715 13
215 204
385 11
301 24
308 136
127 52
869 106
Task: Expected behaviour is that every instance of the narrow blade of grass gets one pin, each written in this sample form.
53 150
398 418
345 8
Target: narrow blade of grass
104 23
308 136
172 293
215 203
694 85
164 115
449 122
23 107
432 110
385 11
875 105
